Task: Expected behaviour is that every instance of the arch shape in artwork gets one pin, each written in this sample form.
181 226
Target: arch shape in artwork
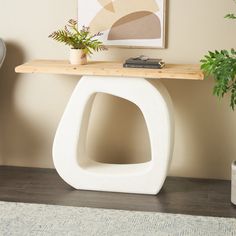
136 25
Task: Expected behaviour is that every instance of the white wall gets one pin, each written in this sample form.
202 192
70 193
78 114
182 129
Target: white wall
31 105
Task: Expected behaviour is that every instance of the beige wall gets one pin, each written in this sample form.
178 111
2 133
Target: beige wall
31 105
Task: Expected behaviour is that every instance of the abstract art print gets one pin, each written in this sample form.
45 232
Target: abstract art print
128 23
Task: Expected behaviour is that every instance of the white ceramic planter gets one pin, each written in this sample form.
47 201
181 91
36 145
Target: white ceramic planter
77 57
233 183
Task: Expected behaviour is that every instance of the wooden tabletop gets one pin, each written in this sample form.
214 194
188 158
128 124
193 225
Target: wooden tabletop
170 71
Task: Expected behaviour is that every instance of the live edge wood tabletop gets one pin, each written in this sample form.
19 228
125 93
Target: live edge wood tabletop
101 68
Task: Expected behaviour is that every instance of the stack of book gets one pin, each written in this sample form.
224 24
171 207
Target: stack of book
144 62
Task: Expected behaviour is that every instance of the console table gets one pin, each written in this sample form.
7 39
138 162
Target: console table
69 149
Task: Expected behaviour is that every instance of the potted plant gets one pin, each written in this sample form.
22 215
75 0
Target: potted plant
81 42
221 65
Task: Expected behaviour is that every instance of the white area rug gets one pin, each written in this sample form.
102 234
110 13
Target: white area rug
38 219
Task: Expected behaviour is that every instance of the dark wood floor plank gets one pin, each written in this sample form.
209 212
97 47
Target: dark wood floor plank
178 195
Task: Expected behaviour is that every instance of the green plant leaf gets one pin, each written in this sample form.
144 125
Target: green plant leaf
221 65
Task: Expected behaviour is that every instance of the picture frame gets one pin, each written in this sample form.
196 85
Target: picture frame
125 23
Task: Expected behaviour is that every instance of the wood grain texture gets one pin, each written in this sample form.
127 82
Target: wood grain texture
170 71
178 195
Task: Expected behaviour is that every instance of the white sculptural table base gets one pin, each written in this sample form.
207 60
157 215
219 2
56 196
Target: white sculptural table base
69 149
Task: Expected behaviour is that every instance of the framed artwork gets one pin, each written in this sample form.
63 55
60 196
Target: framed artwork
126 23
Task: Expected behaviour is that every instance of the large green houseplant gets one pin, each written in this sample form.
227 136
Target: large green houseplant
221 65
81 41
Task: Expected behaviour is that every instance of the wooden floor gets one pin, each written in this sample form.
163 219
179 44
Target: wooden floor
179 195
